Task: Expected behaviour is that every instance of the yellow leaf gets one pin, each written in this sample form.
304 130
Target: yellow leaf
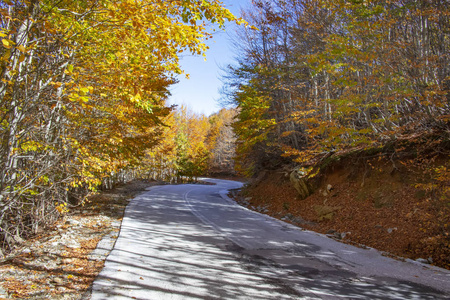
6 55
84 90
22 48
6 43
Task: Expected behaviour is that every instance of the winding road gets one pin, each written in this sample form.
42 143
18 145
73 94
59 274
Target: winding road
193 242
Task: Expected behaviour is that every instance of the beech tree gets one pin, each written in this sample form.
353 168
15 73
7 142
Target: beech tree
321 76
181 153
221 142
191 145
82 95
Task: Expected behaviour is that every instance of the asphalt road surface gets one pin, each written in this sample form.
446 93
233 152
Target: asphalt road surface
193 242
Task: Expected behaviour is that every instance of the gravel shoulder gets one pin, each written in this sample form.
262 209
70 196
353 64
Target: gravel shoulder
63 261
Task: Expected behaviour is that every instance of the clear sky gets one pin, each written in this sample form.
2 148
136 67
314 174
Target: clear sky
201 91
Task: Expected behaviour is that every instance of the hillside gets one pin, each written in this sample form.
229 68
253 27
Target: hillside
394 199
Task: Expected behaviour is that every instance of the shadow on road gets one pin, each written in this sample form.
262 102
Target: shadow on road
164 252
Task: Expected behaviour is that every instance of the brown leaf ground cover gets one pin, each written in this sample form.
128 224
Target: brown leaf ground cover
377 207
374 204
56 264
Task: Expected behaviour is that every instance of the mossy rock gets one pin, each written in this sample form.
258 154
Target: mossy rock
325 212
300 183
381 200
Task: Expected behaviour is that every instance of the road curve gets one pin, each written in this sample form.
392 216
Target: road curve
192 242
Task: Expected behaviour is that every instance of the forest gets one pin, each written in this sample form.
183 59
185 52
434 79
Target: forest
323 76
344 119
83 95
84 86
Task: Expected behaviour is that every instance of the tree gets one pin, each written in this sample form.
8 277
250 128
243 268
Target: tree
82 95
182 153
221 142
322 76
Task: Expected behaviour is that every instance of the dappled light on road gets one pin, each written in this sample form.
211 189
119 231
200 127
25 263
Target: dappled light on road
171 253
189 242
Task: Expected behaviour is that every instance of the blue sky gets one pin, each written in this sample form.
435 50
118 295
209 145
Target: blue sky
201 91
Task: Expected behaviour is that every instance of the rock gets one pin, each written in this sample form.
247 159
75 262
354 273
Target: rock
56 244
390 230
72 244
72 222
423 261
381 200
262 209
345 234
57 280
288 217
46 257
298 179
335 235
3 293
298 220
329 188
338 235
325 212
67 261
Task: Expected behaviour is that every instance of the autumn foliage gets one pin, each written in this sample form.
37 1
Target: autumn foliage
322 82
193 145
319 77
82 96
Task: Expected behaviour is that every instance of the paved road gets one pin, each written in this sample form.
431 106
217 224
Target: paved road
192 242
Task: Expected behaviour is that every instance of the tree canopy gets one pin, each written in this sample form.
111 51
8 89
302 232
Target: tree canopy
322 76
82 94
